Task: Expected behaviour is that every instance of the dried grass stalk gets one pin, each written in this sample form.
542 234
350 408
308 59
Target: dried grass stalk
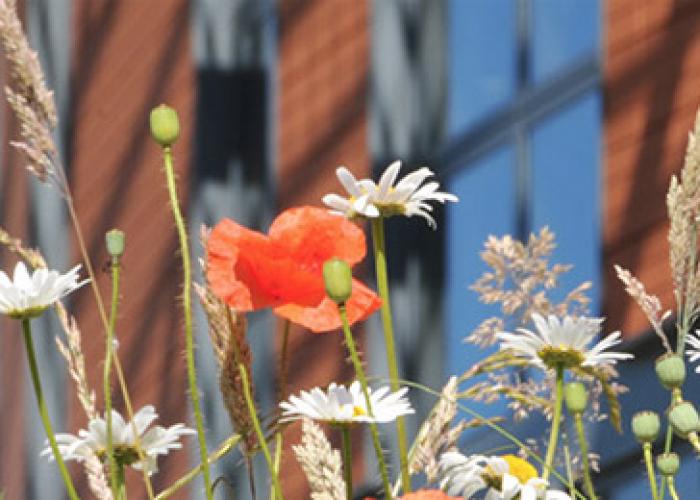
519 277
435 435
227 331
30 99
321 463
650 304
96 478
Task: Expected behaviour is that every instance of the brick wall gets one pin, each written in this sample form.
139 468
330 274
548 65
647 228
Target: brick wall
651 81
322 120
130 57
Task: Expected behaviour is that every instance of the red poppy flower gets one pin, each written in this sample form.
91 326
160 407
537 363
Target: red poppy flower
283 269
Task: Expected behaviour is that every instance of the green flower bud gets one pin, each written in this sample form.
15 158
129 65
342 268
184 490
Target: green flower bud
670 369
668 463
576 397
684 418
646 426
165 125
337 276
115 242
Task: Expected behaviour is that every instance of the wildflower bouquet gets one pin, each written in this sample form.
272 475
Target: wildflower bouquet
549 358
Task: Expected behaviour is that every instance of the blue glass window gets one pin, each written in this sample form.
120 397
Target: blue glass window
563 32
483 69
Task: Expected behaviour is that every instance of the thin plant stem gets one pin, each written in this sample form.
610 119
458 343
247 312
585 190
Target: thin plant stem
121 481
649 461
277 461
284 361
583 445
672 488
556 421
347 460
43 412
225 447
569 472
187 307
105 322
258 431
676 397
378 241
360 373
107 387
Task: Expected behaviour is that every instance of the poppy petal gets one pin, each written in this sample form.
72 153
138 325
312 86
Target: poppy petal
325 316
250 272
312 235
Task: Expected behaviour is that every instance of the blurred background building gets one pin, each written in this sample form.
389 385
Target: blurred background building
566 113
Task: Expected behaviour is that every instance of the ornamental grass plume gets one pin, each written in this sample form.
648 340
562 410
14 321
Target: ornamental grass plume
30 99
321 464
435 435
227 331
283 269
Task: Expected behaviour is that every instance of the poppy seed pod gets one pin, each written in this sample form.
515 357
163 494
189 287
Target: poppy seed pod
337 276
165 125
684 418
646 426
115 242
670 368
576 397
668 463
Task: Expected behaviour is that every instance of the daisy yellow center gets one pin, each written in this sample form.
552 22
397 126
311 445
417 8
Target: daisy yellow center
358 411
519 468
564 356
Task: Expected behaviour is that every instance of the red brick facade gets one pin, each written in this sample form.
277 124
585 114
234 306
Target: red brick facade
651 82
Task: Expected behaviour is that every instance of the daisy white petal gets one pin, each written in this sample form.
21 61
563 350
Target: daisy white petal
27 296
154 441
340 404
563 343
408 197
693 351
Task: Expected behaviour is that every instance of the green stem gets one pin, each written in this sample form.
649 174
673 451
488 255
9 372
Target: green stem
569 472
121 483
107 387
387 326
347 460
284 358
672 488
360 373
278 461
258 430
556 421
187 306
650 470
43 412
225 447
583 445
676 397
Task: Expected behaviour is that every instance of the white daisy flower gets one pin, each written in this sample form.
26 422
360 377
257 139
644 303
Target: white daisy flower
154 441
694 352
507 478
408 197
340 404
28 296
563 343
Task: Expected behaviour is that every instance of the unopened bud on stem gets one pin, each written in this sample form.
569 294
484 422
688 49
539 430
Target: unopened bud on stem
165 125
